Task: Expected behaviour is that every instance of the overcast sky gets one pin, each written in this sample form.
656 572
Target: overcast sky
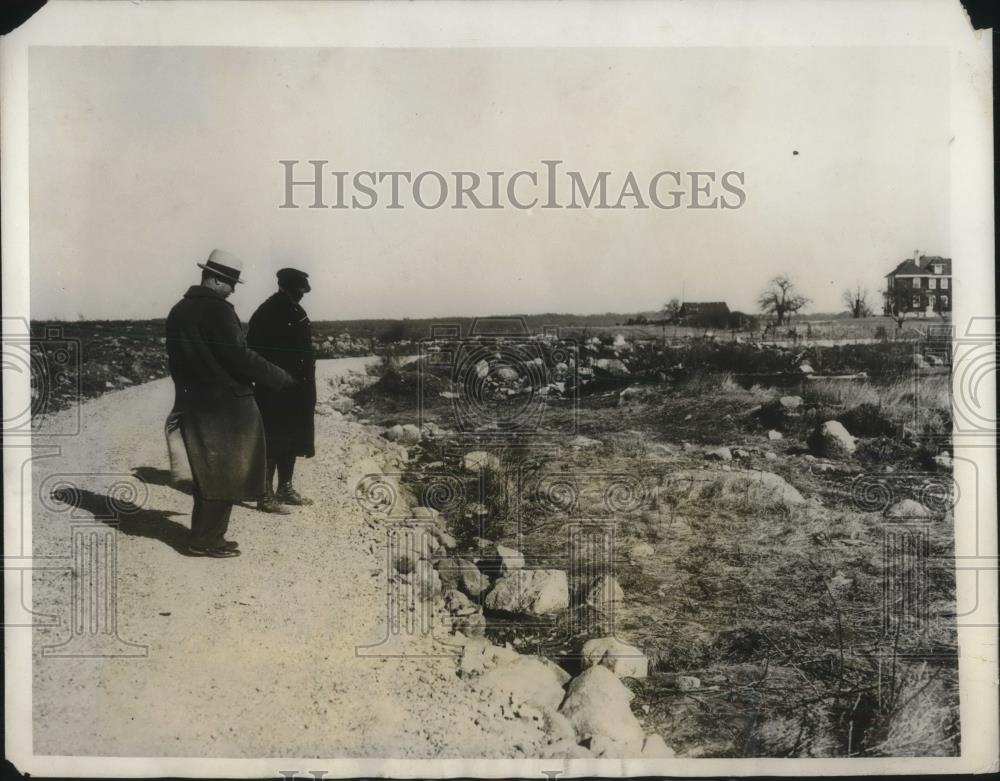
144 159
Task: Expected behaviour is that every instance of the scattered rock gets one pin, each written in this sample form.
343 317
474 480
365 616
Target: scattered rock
476 511
425 514
508 559
741 489
531 592
471 625
944 461
479 460
431 430
581 442
444 539
471 580
411 434
613 366
636 394
641 550
557 726
605 591
774 435
525 680
456 603
907 508
831 440
624 660
597 705
719 454
740 454
342 404
687 683
790 403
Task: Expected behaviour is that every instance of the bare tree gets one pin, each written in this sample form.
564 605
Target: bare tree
856 301
781 299
671 309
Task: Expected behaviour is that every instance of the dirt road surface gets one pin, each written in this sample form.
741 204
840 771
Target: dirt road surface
249 657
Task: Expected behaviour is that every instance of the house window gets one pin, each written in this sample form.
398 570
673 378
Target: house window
944 283
937 268
932 283
916 302
916 283
944 302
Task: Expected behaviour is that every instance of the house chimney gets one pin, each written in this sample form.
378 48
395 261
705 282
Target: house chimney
916 256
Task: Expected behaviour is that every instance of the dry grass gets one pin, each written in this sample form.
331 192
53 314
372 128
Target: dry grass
897 399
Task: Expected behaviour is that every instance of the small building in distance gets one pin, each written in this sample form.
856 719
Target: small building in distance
707 314
919 285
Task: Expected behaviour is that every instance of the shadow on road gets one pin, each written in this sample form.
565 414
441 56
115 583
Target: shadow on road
128 518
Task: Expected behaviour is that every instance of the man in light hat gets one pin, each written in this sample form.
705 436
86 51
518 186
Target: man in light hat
281 332
214 409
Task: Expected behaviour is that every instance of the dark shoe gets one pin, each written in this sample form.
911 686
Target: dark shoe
288 495
220 552
229 544
269 504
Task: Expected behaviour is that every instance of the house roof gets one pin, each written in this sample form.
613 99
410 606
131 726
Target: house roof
908 266
704 307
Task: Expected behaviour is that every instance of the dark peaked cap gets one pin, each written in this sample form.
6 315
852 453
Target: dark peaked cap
293 277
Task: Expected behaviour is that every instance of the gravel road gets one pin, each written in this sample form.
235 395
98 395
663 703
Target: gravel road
248 657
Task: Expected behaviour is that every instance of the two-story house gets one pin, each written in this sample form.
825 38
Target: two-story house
921 284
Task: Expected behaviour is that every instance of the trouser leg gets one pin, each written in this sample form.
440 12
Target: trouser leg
209 521
286 468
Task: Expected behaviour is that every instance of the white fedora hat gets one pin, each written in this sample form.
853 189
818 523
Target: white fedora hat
225 265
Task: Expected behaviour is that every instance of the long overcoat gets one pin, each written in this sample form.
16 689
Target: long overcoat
214 408
280 331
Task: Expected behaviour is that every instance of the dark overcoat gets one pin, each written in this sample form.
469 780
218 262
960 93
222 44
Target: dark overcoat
280 331
212 369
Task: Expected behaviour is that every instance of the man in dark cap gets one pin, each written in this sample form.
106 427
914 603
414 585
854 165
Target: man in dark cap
215 435
280 331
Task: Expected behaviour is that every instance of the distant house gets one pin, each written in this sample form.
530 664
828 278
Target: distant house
921 284
707 314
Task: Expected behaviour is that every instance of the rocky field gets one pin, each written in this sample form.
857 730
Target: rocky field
766 571
537 548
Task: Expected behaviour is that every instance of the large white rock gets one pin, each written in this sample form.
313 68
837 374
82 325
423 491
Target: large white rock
907 508
614 366
479 460
597 705
624 660
525 680
655 747
832 440
739 489
533 592
509 559
411 434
